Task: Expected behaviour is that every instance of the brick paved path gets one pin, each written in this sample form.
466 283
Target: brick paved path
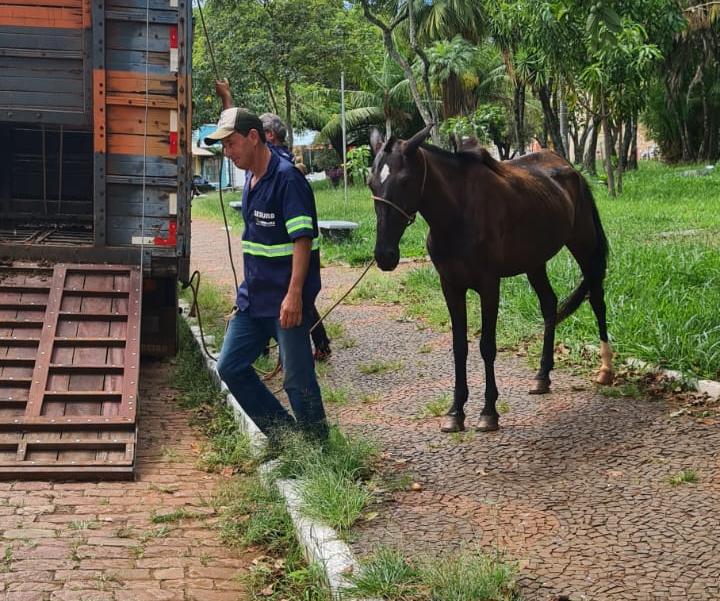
97 542
574 486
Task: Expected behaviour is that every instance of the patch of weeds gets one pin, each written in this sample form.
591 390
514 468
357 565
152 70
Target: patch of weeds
104 581
170 455
334 329
437 407
322 369
289 577
7 559
370 398
125 532
471 576
74 547
166 489
333 395
351 456
229 445
386 575
346 342
621 390
688 476
138 551
503 407
253 514
425 348
175 516
461 577
462 437
265 363
378 366
204 560
104 501
83 525
335 498
161 532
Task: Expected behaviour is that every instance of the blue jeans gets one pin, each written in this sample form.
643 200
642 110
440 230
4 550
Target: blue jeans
245 339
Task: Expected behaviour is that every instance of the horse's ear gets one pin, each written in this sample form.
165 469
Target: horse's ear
376 140
413 143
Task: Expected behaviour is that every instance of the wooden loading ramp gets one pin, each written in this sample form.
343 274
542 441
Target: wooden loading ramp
69 369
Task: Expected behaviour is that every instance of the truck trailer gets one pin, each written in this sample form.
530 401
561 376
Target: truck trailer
95 188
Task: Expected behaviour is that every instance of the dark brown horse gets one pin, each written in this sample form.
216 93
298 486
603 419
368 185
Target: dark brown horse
490 220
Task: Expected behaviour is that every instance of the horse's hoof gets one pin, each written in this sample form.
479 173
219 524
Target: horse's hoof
605 377
452 423
488 423
540 386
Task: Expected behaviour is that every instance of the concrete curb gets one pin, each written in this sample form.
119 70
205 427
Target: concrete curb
708 387
320 543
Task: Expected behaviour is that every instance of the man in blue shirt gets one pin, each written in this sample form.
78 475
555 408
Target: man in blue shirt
282 278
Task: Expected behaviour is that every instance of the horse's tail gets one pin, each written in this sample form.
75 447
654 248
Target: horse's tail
594 272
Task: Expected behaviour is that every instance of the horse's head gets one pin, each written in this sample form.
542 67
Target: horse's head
397 180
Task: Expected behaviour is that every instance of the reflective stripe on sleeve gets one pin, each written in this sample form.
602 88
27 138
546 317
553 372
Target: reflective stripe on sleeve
273 250
299 223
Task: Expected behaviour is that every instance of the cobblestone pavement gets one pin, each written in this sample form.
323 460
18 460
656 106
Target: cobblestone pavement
574 486
97 541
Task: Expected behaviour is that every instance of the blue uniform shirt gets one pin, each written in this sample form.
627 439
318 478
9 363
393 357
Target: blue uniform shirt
282 151
277 211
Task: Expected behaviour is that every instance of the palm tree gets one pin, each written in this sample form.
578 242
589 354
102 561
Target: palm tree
385 99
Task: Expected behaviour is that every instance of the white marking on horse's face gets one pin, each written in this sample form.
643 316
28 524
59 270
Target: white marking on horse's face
384 172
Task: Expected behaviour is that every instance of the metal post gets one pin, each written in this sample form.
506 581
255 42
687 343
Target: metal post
344 133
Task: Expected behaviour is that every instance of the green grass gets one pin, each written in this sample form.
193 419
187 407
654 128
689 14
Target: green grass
662 289
688 476
335 395
437 406
216 303
379 366
464 576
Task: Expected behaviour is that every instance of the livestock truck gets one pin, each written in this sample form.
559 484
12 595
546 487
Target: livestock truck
95 182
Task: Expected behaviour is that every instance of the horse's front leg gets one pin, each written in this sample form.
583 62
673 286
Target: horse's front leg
489 299
454 420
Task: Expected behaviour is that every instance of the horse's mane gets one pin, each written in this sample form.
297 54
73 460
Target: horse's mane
475 155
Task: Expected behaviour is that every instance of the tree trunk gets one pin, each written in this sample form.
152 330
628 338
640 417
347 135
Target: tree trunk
591 150
633 158
563 124
519 112
580 140
271 93
704 153
551 122
434 133
621 158
427 117
288 113
607 145
627 141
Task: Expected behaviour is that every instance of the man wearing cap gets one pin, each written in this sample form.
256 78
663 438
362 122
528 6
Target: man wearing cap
281 262
275 133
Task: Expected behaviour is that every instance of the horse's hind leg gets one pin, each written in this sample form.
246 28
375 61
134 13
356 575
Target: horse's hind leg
597 302
596 296
548 307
